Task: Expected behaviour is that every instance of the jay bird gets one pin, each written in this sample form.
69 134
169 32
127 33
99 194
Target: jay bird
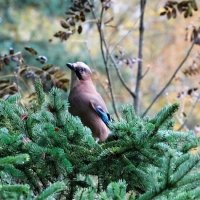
86 103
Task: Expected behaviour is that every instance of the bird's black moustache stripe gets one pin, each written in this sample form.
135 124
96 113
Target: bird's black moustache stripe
78 74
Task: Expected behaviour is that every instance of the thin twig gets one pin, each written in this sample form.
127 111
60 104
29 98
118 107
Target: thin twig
124 37
109 55
169 81
120 77
121 40
140 56
117 69
145 73
105 57
190 113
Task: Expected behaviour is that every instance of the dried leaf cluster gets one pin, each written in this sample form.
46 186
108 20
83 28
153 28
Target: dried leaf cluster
76 16
11 56
24 74
193 34
194 68
171 8
189 92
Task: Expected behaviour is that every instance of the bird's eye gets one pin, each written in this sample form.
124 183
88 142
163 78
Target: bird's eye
81 70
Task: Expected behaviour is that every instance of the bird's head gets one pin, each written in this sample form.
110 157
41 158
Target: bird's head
82 71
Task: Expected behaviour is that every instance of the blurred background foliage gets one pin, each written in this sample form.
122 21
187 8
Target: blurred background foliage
33 23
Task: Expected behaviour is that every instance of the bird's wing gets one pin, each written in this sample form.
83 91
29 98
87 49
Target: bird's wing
105 117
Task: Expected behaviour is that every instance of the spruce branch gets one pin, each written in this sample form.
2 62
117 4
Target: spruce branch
17 188
184 168
165 114
155 161
190 179
18 159
51 190
39 92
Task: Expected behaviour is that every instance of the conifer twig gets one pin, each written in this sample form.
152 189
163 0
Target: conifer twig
169 81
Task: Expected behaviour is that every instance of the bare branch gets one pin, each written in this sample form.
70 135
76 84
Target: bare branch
169 81
120 76
109 55
105 56
140 56
123 82
121 40
126 35
145 73
117 70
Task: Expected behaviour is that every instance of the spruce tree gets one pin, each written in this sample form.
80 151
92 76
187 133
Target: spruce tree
45 152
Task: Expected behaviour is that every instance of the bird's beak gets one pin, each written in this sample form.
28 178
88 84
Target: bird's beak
71 66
